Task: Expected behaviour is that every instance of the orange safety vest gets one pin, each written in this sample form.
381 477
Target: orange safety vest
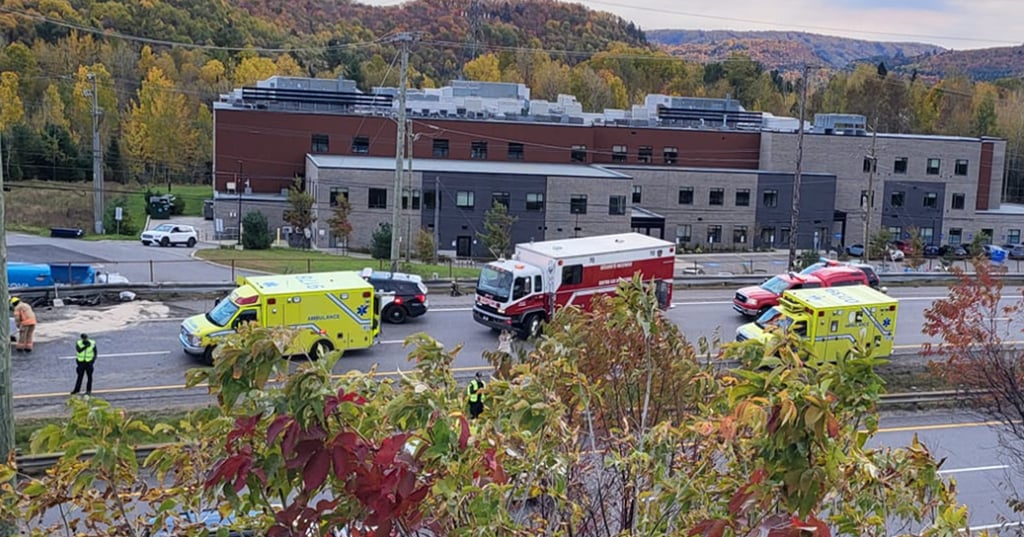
23 315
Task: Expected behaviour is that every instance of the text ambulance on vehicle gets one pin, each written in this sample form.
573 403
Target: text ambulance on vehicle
521 293
329 310
834 320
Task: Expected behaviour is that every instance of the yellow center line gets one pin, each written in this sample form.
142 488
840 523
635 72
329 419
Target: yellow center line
936 427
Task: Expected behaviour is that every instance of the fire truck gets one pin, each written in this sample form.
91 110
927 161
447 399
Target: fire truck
522 293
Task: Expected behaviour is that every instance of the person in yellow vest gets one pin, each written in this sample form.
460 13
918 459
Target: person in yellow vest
85 356
25 320
474 393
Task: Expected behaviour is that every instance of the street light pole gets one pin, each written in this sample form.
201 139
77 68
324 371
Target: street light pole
238 191
794 224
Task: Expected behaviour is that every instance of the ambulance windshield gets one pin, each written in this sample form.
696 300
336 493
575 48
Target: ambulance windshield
767 317
222 313
495 282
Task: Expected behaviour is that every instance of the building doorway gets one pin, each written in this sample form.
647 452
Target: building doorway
463 246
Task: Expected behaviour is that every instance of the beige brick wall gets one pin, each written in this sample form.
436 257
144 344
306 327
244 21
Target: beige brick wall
560 222
844 157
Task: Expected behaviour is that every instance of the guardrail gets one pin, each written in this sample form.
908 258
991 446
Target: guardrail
38 464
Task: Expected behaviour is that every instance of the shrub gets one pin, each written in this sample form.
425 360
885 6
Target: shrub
255 232
424 245
128 226
177 206
381 245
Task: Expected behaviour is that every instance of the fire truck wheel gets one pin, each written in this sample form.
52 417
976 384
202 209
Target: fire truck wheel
395 314
532 325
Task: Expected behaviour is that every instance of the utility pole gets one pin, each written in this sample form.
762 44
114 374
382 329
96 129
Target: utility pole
396 214
409 145
870 202
238 191
437 216
795 217
97 158
6 386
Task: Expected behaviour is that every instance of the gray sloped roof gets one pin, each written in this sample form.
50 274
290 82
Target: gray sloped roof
466 166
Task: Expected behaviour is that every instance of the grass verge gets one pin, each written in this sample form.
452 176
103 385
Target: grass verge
293 261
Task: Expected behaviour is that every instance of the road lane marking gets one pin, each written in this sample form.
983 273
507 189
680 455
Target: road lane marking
121 354
1002 525
938 426
975 469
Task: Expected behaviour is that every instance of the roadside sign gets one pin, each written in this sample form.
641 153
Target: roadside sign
118 214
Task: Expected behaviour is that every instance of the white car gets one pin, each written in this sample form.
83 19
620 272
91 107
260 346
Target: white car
170 234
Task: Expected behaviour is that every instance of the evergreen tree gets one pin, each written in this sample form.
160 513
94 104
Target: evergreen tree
255 232
497 233
380 247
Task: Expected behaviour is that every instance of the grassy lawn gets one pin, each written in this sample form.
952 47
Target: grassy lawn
36 206
290 261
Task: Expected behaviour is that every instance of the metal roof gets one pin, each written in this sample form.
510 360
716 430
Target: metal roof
337 162
848 296
601 244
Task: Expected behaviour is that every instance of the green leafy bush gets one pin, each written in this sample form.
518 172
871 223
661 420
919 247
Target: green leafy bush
380 248
255 232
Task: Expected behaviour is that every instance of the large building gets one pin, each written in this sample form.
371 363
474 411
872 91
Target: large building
702 172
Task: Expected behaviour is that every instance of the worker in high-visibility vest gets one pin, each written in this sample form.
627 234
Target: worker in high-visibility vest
85 357
474 393
25 320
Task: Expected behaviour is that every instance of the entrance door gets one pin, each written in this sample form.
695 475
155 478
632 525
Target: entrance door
464 246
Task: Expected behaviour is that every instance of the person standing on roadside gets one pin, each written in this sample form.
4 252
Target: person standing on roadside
25 320
475 395
85 356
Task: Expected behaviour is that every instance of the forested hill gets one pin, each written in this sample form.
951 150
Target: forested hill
329 33
785 51
981 64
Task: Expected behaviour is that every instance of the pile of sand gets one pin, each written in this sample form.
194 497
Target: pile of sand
69 321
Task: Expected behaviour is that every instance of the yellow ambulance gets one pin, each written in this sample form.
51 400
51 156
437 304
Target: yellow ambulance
329 310
835 320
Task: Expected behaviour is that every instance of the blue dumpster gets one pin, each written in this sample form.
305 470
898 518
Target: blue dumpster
998 255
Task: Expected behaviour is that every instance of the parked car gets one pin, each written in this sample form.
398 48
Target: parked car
1015 251
753 301
855 250
954 250
170 234
931 250
903 246
410 294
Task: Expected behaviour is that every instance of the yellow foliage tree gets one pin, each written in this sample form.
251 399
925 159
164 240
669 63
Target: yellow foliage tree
212 72
159 131
483 68
52 112
252 69
80 118
12 110
287 66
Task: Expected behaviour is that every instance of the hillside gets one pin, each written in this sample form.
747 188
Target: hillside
981 64
785 51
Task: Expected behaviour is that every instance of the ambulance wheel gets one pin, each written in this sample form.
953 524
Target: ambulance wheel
320 349
208 356
165 242
395 314
533 325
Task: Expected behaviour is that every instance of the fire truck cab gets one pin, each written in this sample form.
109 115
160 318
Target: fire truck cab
522 293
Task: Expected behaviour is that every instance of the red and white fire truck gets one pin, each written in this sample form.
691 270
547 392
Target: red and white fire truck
521 293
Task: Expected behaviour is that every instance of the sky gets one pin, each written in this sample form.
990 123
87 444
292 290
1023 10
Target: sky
955 24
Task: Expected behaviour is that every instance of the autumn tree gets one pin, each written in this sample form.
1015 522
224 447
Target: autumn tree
483 68
975 326
299 213
339 223
158 131
426 249
915 257
252 69
497 233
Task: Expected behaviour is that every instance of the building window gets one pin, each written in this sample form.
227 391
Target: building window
896 199
670 154
535 201
465 199
321 143
770 198
743 197
739 234
500 198
870 164
716 196
895 232
578 204
361 145
956 235
579 153
783 236
637 194
616 205
714 234
864 199
515 151
683 234
619 153
961 167
337 194
686 195
378 198
927 235
768 236
414 194
933 166
959 200
645 154
440 148
900 165
1013 236
478 151
430 199
931 200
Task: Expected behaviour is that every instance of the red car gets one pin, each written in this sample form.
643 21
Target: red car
755 300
